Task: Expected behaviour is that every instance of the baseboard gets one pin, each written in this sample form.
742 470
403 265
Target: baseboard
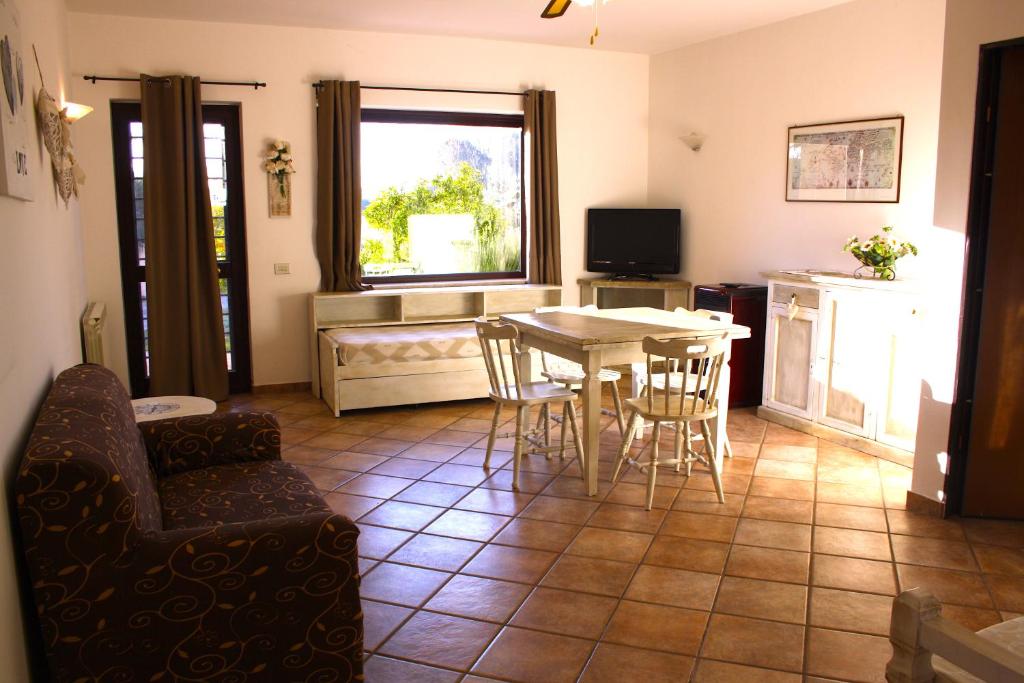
923 505
879 450
287 388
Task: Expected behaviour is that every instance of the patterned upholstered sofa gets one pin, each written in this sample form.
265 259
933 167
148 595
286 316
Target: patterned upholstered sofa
184 550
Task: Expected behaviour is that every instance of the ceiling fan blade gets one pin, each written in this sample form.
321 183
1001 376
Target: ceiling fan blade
555 8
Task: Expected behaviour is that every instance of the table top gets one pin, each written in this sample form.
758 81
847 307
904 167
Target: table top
620 325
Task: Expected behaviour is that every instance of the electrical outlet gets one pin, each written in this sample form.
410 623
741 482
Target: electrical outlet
282 269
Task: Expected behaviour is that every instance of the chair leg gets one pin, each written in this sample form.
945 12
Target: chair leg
627 441
679 447
522 416
652 473
492 435
545 412
641 426
709 450
727 446
562 434
618 409
581 455
688 447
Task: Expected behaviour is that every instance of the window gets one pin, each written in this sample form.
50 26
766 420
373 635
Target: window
442 196
222 142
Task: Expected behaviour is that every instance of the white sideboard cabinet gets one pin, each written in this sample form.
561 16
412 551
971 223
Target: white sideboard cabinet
842 353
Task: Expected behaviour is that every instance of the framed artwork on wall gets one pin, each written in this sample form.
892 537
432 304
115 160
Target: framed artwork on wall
845 161
17 112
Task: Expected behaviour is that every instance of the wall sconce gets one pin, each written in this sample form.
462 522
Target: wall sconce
74 111
694 140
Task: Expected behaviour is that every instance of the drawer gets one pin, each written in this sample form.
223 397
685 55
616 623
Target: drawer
805 296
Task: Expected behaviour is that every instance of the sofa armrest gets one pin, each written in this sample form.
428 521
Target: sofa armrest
181 444
241 591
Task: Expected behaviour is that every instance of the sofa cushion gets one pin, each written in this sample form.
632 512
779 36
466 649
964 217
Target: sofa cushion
404 343
241 492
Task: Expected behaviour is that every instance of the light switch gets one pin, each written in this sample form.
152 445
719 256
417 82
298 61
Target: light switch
282 269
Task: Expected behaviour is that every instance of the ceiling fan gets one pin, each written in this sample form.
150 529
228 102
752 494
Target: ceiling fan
556 8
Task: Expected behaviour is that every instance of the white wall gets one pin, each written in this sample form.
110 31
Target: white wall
42 295
969 24
602 109
859 60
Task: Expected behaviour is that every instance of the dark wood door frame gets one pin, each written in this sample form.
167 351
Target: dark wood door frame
976 246
229 115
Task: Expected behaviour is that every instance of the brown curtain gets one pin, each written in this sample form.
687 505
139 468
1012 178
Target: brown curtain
338 189
545 260
186 327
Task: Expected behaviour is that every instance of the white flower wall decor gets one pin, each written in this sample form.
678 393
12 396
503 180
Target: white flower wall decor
277 162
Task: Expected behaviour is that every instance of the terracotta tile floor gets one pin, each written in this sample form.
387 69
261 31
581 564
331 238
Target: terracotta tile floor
465 580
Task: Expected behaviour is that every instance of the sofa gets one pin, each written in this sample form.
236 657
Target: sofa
181 549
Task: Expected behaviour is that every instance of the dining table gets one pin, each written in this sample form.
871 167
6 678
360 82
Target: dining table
614 336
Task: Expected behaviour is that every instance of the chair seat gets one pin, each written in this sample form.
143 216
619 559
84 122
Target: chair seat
240 492
537 392
570 375
675 379
689 413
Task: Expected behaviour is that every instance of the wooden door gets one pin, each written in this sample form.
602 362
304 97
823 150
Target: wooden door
994 473
848 361
789 361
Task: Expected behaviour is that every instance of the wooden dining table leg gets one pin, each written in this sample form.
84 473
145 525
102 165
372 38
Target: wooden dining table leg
591 395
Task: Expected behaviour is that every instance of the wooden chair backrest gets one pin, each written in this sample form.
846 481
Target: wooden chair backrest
701 359
500 345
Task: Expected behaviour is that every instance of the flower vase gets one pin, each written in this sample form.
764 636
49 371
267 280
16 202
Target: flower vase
279 190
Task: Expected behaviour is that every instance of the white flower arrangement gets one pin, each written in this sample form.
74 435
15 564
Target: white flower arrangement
278 161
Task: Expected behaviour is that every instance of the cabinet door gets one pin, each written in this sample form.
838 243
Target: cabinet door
850 361
901 384
789 361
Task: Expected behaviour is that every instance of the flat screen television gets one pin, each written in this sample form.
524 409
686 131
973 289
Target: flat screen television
633 242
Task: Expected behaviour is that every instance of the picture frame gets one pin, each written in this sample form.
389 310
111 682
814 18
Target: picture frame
16 109
845 161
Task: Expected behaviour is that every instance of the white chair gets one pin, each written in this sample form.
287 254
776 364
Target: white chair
927 647
570 374
501 351
641 378
698 361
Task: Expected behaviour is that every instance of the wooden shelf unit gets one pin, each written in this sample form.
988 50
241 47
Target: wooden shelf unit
664 294
417 306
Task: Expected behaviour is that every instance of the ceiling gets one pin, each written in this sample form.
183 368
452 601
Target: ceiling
643 26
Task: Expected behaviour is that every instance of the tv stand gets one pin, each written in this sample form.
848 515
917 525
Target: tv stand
632 277
626 293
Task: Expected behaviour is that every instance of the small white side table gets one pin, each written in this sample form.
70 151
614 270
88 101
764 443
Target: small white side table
163 407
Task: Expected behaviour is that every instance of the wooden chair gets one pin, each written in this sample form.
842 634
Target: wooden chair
570 375
641 379
501 352
918 631
700 362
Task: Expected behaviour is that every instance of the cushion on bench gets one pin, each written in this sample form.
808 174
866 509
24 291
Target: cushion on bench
404 343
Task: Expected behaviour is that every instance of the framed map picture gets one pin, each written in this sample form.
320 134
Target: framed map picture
845 161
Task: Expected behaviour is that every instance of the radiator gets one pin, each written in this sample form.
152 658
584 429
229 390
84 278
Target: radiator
92 332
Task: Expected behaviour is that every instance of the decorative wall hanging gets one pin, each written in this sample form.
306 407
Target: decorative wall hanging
55 127
278 165
845 161
15 136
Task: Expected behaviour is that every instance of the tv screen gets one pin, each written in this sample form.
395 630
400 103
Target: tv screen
633 241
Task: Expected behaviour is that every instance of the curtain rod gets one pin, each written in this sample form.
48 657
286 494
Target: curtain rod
320 84
255 85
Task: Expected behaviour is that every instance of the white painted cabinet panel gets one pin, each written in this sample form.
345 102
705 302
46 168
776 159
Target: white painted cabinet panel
789 363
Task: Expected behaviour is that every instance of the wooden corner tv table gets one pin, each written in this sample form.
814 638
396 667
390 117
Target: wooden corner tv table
613 336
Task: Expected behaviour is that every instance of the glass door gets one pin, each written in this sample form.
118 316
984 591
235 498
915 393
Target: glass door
222 140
